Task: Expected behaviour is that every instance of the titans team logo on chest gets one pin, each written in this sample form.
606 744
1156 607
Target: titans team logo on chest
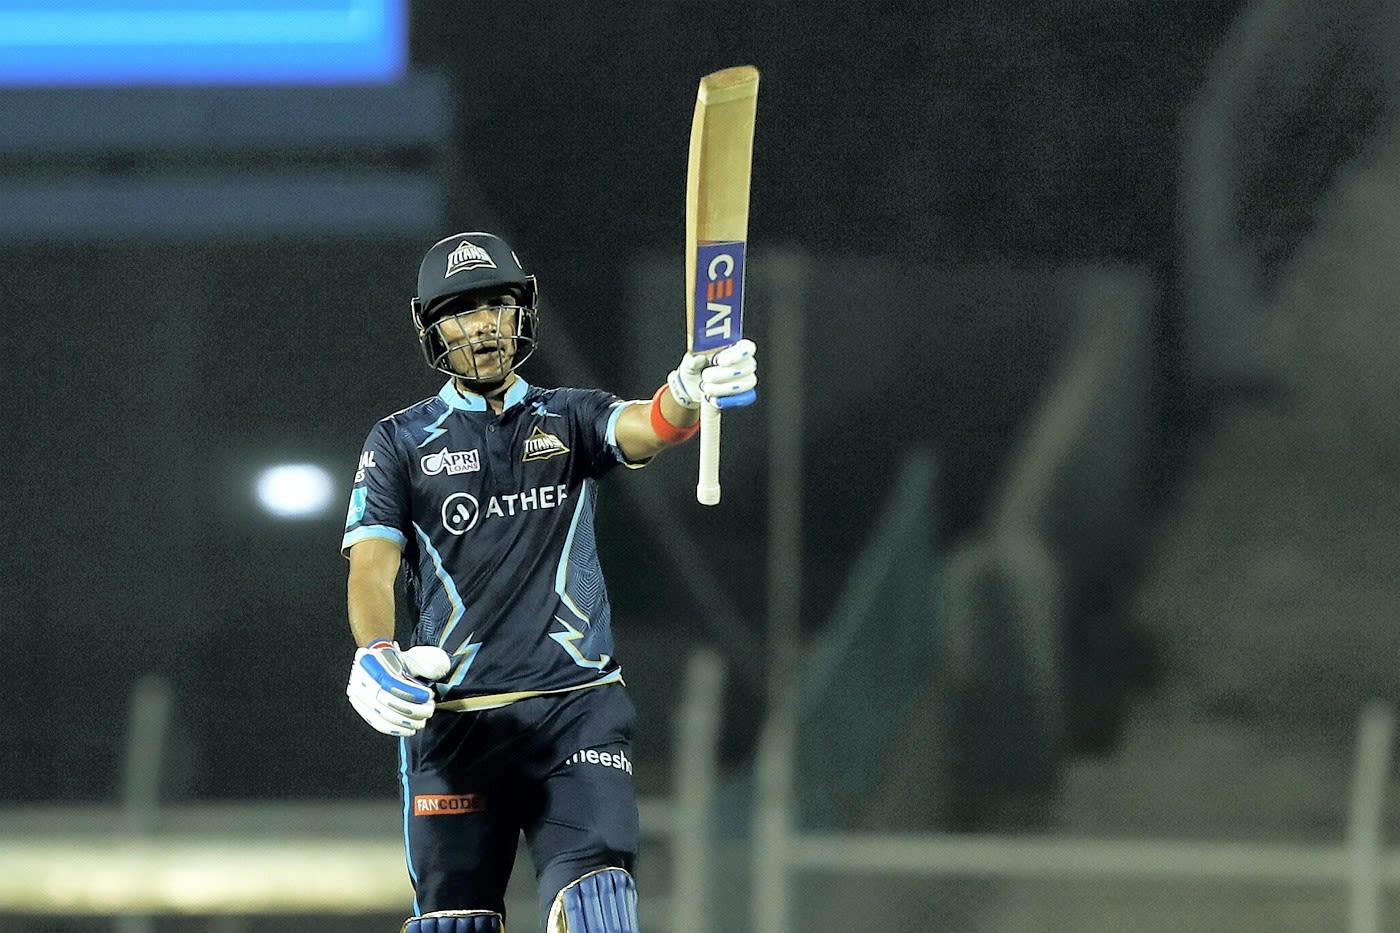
541 446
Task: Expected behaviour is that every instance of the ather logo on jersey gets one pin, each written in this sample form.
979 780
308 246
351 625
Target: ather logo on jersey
461 511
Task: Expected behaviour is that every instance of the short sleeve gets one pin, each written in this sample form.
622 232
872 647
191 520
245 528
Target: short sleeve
595 413
379 503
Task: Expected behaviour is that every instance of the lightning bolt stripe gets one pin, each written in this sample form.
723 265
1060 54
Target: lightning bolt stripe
578 582
407 811
459 609
465 653
435 430
568 583
569 642
457 400
553 632
462 660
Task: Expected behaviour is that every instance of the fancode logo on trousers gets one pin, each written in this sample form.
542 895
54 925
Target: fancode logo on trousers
447 804
592 756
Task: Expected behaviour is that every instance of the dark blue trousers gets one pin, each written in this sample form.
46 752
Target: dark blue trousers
557 768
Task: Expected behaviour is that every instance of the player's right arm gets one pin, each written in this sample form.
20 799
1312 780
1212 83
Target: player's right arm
388 687
374 566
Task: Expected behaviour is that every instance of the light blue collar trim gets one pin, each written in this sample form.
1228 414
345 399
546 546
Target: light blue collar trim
470 401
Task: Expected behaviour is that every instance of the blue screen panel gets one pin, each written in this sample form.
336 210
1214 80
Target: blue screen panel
201 42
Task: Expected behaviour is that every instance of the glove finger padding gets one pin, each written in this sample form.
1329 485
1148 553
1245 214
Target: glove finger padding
372 695
735 354
382 719
732 371
725 383
684 380
385 692
727 372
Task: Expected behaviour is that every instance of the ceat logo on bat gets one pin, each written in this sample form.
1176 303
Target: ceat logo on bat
719 294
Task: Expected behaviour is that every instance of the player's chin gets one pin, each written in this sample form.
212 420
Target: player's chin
493 365
478 367
488 374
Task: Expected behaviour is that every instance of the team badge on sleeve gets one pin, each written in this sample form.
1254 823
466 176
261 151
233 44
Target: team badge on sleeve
359 499
366 463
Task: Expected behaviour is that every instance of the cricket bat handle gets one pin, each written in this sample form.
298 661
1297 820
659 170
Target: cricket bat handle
707 489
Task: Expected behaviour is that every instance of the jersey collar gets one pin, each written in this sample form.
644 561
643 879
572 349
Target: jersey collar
470 401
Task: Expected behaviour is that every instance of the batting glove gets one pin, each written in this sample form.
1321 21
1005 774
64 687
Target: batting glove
388 686
724 378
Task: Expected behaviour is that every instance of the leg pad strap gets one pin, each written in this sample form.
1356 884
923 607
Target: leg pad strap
603 901
456 921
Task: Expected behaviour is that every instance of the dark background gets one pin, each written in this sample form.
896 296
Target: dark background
146 375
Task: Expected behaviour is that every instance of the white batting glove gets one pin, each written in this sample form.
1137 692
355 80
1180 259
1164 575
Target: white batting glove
388 686
721 377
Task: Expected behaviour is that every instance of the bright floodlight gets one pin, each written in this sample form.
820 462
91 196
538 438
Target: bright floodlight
295 490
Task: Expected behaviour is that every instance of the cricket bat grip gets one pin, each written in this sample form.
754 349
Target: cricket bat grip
707 489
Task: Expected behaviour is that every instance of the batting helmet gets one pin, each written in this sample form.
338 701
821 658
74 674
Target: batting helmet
464 264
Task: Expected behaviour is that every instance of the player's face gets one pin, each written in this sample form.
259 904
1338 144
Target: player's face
479 332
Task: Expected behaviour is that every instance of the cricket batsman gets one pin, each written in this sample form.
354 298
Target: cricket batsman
506 695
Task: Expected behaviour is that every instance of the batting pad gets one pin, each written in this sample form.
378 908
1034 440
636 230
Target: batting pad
456 921
604 901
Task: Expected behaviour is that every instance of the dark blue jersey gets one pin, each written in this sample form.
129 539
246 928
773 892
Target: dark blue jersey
494 515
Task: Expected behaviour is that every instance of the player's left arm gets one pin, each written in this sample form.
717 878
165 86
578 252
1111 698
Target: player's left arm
644 429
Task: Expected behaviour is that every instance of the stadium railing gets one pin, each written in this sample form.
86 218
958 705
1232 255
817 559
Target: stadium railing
1031 545
254 858
1359 863
1225 315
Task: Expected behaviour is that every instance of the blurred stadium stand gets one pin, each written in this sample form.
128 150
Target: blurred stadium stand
1125 275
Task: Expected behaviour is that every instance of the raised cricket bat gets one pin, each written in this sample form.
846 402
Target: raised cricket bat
716 231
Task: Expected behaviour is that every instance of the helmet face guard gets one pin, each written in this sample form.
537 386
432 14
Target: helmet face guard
458 270
484 350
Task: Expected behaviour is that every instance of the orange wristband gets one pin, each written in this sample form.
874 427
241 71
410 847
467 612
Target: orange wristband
664 429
